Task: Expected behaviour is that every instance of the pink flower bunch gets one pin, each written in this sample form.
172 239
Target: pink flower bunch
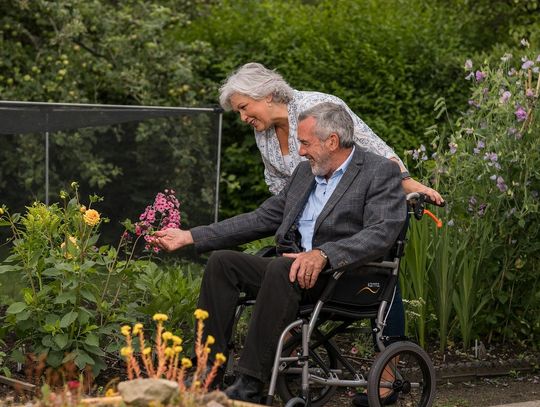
162 214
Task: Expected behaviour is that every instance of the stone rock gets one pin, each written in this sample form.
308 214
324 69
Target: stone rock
141 392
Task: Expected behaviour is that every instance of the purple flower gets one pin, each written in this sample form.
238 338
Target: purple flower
474 103
529 93
512 72
480 76
482 209
491 157
453 147
501 184
505 96
479 146
521 114
527 64
468 65
472 201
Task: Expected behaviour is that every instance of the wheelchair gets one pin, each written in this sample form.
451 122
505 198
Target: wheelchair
309 366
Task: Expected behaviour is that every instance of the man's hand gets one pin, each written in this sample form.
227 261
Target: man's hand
306 267
172 239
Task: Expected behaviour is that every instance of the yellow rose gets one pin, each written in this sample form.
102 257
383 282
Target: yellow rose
91 217
82 209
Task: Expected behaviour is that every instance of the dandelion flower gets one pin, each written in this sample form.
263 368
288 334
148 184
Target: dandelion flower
91 217
137 328
126 330
160 317
186 363
200 314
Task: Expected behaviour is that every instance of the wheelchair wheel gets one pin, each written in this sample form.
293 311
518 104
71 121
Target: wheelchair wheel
402 375
289 381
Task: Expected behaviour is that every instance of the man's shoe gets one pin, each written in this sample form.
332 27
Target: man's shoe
245 388
361 399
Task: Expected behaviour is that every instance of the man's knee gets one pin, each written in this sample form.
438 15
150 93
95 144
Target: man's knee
220 259
278 270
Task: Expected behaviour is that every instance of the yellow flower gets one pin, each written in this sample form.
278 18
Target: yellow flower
220 358
74 185
91 217
178 349
167 336
147 351
110 393
169 352
126 330
160 317
210 340
207 349
200 314
177 340
1 211
186 363
126 351
137 328
82 209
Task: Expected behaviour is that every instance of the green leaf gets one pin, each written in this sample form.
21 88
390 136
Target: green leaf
23 316
54 358
61 340
18 356
83 359
66 296
68 319
16 307
94 350
8 268
51 272
92 340
88 295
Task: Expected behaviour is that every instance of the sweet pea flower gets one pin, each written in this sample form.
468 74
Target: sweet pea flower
453 147
504 97
529 93
527 64
521 114
480 76
524 42
501 184
468 64
506 57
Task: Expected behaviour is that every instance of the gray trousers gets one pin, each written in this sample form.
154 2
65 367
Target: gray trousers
229 273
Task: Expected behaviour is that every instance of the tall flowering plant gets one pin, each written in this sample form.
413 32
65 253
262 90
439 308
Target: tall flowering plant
70 302
164 213
487 166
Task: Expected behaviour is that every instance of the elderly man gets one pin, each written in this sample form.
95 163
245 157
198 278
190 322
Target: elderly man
342 207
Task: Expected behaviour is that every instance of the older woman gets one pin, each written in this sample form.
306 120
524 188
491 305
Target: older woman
266 102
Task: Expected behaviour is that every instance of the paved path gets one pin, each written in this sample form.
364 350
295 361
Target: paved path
525 404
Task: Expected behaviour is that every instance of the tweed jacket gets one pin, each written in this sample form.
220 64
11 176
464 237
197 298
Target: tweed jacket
358 224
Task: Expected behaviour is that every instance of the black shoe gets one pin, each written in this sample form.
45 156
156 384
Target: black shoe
361 399
245 388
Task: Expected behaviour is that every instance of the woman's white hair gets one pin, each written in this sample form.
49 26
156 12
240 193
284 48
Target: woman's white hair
257 82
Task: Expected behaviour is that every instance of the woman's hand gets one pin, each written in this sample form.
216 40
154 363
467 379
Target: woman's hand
172 239
410 185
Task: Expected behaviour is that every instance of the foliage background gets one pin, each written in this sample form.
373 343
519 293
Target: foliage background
390 60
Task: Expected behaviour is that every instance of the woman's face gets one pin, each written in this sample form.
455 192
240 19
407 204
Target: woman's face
253 112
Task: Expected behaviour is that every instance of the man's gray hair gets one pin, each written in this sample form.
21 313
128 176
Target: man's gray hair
257 82
331 118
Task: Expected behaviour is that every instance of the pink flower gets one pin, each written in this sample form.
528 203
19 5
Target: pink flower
480 76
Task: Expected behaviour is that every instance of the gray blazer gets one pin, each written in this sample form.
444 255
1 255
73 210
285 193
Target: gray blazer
358 224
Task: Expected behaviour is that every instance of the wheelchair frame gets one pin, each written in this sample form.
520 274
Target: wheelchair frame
391 355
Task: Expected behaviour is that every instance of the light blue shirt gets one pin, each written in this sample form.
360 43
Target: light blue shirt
316 201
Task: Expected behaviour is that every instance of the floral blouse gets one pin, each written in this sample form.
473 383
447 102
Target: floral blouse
278 168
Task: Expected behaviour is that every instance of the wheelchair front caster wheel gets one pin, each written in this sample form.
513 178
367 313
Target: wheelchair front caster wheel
402 375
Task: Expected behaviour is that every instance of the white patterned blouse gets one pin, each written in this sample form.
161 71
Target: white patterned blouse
278 168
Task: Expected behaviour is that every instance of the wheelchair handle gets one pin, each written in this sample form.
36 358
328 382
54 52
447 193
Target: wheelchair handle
416 202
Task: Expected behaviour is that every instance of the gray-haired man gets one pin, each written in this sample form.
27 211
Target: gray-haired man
343 206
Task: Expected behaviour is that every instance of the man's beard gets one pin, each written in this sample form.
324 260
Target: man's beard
320 168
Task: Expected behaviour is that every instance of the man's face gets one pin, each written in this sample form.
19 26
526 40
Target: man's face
313 148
